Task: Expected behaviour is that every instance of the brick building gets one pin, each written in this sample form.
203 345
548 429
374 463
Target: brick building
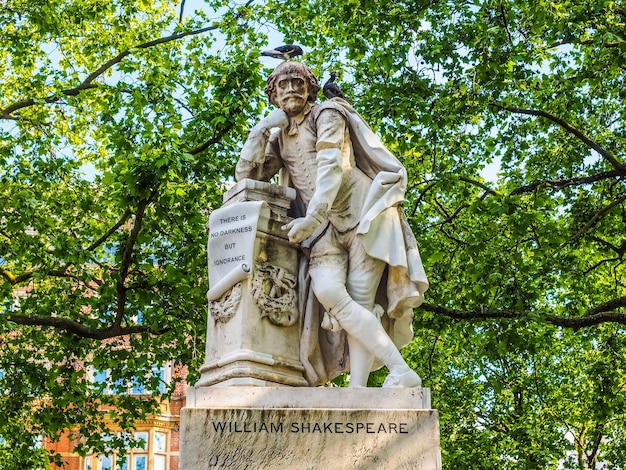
159 433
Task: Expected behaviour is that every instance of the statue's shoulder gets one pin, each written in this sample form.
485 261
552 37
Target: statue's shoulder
333 104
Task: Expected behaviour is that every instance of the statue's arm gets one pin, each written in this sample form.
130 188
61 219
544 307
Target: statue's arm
262 170
258 160
331 129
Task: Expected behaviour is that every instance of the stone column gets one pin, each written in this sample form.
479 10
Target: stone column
253 332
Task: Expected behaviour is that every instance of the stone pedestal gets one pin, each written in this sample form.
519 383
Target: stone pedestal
253 335
309 428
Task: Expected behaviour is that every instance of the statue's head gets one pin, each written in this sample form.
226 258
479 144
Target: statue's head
296 74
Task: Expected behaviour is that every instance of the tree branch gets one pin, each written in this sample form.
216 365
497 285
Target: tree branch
62 272
593 220
212 141
126 261
27 275
608 306
600 263
602 314
110 232
561 184
619 250
593 456
182 9
608 156
450 237
506 24
582 42
15 279
418 201
456 212
487 189
87 83
78 329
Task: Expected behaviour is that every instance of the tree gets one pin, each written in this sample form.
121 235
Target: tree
508 117
119 123
506 114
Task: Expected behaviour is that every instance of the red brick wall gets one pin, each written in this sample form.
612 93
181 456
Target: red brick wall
65 446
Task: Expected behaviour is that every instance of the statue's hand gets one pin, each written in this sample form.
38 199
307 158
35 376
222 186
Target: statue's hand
277 118
254 148
301 229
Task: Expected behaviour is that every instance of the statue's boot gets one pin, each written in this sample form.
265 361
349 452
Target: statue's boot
363 326
361 361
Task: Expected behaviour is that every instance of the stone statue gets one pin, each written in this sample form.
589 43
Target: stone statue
362 274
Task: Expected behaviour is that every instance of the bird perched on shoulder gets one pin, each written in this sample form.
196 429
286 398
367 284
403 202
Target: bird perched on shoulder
286 52
331 90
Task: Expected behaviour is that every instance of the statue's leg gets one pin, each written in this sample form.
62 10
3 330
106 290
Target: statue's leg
330 289
362 282
361 361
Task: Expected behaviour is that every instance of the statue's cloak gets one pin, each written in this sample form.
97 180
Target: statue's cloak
386 235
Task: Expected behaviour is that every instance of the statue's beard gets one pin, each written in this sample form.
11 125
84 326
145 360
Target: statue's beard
293 104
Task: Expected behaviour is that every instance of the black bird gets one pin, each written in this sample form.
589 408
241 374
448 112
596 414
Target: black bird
286 52
331 90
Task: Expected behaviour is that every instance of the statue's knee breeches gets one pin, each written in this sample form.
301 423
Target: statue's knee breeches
329 285
344 267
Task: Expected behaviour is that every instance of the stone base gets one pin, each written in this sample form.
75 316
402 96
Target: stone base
309 428
246 367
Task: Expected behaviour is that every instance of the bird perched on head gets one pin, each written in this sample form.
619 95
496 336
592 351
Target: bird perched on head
331 90
286 52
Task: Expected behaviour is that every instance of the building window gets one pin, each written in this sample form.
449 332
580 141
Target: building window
149 452
140 462
159 372
137 388
159 462
106 462
160 442
100 376
103 379
140 459
122 463
160 448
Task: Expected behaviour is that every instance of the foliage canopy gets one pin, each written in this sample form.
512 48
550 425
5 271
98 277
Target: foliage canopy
120 121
